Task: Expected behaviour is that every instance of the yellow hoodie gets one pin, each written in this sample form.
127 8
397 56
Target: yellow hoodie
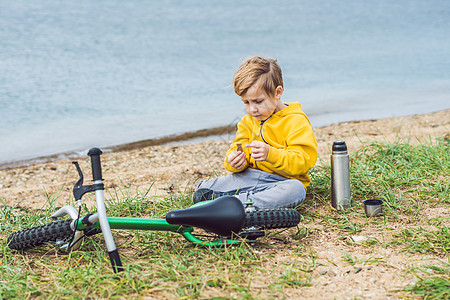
292 144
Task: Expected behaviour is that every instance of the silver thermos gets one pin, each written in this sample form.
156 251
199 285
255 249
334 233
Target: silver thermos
340 176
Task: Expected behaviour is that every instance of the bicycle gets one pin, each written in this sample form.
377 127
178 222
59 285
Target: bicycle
224 216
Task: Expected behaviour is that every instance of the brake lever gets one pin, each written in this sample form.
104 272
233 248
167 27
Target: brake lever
79 189
80 173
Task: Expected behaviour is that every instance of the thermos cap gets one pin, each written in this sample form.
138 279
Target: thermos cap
339 146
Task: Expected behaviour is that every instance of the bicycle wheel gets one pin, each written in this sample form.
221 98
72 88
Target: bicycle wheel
272 218
51 233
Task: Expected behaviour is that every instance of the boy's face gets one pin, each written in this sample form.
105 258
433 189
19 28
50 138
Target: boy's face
260 105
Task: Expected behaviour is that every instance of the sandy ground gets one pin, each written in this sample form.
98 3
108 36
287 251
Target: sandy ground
173 168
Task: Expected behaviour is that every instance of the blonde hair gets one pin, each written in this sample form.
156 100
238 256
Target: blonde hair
256 68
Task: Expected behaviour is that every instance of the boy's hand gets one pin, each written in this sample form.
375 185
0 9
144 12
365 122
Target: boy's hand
237 159
260 150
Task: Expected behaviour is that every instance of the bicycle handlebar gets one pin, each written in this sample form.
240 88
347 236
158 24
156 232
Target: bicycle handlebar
95 153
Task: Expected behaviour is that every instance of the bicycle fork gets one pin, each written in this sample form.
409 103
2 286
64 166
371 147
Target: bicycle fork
78 191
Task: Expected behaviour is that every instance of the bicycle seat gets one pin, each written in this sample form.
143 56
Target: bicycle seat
222 216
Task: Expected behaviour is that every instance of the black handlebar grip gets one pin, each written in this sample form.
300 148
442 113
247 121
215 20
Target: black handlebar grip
95 153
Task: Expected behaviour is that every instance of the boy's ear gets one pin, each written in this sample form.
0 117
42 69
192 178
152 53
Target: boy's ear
278 92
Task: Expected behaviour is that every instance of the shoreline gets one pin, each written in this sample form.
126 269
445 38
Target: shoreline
183 138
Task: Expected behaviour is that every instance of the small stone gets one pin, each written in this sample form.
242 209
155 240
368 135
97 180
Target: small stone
358 239
357 270
331 272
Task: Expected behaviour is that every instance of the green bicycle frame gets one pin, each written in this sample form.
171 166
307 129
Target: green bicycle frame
102 221
157 225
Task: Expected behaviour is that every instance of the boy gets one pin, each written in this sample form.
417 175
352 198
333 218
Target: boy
274 147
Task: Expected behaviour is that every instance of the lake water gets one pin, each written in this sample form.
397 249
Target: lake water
77 74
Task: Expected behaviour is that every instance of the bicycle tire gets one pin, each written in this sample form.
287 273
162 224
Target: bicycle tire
35 236
272 218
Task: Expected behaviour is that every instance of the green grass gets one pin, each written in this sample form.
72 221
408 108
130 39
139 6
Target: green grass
420 240
403 176
408 179
379 169
434 283
164 265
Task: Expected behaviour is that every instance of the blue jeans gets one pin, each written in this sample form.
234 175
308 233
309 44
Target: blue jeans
264 189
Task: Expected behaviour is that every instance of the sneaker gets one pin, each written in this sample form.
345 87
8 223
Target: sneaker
207 194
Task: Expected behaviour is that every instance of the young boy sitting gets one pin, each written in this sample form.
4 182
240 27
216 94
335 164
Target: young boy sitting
279 147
